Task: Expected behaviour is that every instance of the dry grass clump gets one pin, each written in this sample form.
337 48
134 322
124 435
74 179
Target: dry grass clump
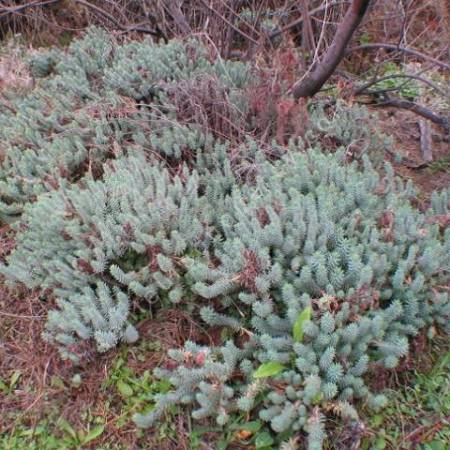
14 73
35 383
40 383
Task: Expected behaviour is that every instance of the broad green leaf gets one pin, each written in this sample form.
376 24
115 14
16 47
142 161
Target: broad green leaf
57 382
263 439
252 426
3 386
376 420
161 386
94 433
63 425
268 369
124 389
15 378
33 431
380 443
297 330
119 363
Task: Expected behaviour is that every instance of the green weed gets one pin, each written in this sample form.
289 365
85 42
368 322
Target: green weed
440 165
418 413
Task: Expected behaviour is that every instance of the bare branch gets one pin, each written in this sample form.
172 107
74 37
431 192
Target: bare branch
425 141
402 49
308 41
442 120
125 28
312 83
174 9
298 21
235 28
5 10
362 89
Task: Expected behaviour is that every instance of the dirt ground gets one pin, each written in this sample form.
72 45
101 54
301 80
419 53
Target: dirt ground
403 127
22 319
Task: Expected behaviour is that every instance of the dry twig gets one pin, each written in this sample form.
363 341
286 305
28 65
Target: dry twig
402 49
425 141
363 89
441 120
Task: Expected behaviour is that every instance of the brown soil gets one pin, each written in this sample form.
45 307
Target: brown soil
36 394
403 127
22 319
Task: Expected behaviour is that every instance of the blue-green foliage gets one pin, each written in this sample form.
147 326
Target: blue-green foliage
352 127
316 232
87 108
129 230
125 206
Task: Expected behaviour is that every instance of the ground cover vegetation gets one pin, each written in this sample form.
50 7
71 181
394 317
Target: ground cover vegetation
205 252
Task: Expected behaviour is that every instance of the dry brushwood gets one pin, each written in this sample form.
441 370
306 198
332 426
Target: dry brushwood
313 81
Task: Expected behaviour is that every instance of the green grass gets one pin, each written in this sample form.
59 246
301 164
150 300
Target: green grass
416 418
418 413
440 165
121 394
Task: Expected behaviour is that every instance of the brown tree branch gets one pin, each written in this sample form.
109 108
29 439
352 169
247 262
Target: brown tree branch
126 28
363 89
425 141
112 19
174 9
298 21
312 83
441 120
402 49
5 10
230 24
308 41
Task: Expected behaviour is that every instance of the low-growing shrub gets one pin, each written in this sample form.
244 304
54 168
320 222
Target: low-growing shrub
127 232
98 101
348 126
132 194
327 271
